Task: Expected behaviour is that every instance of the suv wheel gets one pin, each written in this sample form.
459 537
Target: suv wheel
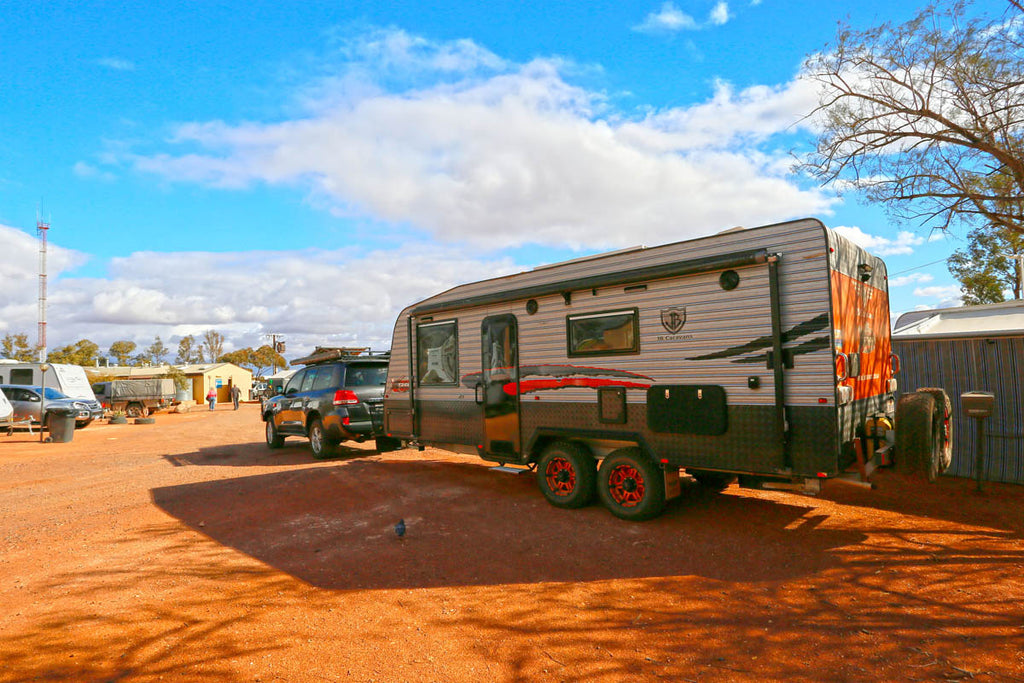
274 440
318 441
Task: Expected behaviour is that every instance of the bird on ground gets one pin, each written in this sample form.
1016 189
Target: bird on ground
400 528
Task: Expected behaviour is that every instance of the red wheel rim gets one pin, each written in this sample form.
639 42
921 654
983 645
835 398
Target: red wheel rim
560 476
626 486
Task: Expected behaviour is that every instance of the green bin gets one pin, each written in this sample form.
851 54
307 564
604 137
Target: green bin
62 424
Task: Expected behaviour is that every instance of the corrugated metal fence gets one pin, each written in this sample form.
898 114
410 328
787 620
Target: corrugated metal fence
994 364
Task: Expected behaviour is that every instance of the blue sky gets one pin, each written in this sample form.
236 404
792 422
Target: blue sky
310 168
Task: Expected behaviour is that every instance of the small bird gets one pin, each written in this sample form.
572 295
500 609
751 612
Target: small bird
400 528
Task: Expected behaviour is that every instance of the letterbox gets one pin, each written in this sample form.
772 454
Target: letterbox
978 403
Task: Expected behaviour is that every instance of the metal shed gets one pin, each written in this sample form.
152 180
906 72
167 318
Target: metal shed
972 348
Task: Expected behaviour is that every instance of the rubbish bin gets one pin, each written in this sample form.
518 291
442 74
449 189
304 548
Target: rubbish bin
62 424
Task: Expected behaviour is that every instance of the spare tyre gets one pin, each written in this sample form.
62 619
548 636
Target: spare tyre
942 424
915 439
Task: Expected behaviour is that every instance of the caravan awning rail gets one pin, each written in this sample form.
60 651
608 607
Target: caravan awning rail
620 277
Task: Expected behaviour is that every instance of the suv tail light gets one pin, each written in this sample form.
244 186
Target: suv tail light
344 397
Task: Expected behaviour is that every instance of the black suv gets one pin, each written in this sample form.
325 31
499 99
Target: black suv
330 402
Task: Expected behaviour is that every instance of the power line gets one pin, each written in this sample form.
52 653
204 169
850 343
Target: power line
924 265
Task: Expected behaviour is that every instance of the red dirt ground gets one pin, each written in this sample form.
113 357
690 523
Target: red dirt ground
187 550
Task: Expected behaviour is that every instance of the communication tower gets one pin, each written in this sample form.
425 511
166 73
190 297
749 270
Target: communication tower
42 228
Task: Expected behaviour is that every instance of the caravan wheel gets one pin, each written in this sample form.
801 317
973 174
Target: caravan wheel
566 475
631 486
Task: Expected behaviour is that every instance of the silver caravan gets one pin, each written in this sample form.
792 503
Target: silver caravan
760 354
70 380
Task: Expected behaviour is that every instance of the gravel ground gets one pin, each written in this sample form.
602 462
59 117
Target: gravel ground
187 550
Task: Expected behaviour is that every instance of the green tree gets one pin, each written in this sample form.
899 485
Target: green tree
16 347
986 268
122 351
925 117
83 352
188 352
258 360
265 358
212 346
240 357
155 352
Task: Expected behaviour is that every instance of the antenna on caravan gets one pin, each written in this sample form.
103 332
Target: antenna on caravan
42 228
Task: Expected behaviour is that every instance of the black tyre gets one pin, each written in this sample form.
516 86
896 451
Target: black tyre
631 486
322 446
915 440
942 426
135 409
567 475
712 481
274 439
386 443
145 420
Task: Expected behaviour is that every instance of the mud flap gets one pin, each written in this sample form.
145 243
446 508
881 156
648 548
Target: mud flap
673 488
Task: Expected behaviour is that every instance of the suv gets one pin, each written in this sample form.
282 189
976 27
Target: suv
28 403
330 402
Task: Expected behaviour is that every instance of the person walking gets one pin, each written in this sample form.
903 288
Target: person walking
211 397
236 395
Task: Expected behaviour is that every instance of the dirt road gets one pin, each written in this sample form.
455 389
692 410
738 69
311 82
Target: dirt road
187 550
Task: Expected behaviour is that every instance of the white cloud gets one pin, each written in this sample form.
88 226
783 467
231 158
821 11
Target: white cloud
668 19
913 278
339 297
948 295
719 14
85 170
671 19
882 246
514 157
116 64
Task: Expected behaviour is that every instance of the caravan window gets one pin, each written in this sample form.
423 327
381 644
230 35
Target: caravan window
597 334
437 353
21 376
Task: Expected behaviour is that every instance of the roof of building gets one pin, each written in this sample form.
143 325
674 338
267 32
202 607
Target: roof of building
989 320
146 371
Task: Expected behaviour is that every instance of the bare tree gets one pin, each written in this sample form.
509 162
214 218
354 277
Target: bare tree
212 346
927 117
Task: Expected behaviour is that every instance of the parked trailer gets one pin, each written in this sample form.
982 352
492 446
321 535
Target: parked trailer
68 379
135 397
759 353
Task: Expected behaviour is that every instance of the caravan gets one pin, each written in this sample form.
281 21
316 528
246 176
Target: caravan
70 380
761 354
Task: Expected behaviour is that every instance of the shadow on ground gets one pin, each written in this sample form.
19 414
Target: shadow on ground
468 525
256 453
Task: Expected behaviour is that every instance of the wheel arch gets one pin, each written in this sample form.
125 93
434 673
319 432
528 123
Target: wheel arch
598 442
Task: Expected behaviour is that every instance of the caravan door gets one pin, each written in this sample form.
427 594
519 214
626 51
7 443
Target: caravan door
500 363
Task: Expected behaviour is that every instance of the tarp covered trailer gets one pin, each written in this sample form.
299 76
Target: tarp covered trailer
762 353
135 397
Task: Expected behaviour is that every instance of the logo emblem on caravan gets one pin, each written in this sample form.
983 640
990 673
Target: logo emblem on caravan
673 319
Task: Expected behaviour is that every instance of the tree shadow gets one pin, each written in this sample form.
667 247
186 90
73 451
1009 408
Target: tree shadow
94 631
953 499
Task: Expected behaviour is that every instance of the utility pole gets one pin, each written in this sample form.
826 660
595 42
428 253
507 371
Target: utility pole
277 343
1019 289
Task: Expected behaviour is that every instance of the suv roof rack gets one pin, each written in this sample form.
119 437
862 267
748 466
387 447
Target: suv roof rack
323 354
